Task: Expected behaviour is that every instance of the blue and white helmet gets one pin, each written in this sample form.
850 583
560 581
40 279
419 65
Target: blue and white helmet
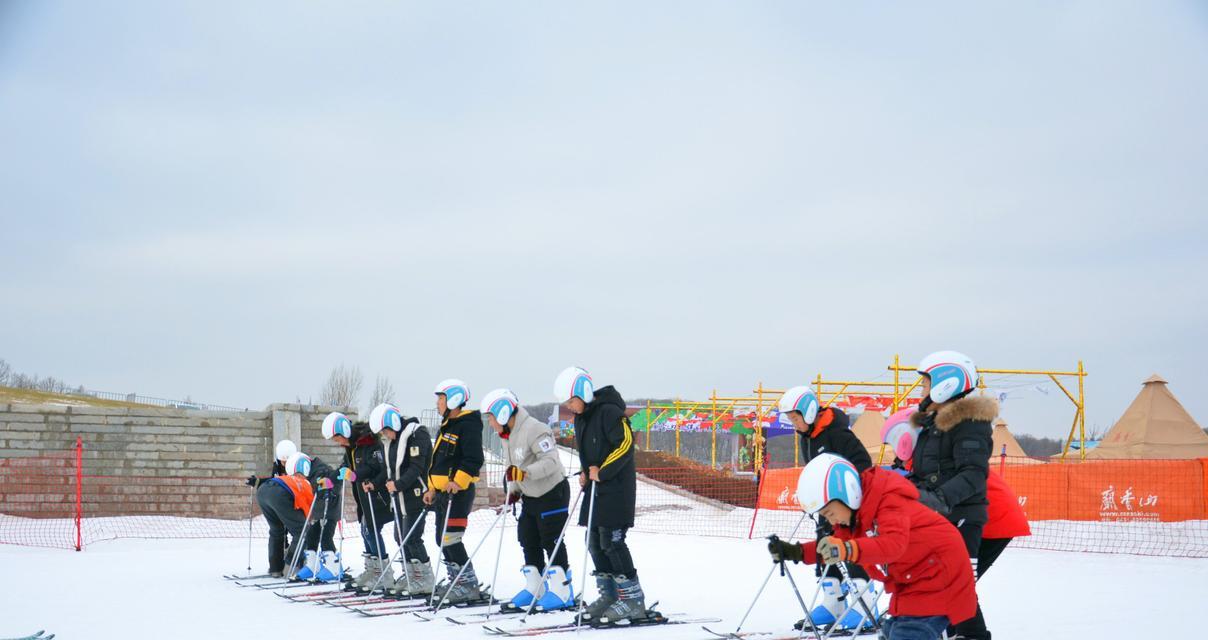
456 393
574 382
800 399
385 416
336 424
298 463
828 477
952 375
501 403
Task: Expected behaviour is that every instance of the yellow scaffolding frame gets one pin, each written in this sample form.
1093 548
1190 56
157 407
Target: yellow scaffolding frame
1079 424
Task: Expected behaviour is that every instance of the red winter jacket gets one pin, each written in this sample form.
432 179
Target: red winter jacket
1006 516
916 552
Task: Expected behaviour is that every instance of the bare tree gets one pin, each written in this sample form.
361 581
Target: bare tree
383 391
6 372
343 387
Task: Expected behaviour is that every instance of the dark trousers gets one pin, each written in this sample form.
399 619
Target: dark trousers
277 504
988 552
541 522
412 510
914 627
324 520
609 552
974 628
457 506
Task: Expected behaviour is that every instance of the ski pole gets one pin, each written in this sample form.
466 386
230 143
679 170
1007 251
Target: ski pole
322 530
397 505
591 512
340 525
499 551
401 552
808 618
444 533
374 532
550 560
766 578
852 590
298 541
251 510
498 519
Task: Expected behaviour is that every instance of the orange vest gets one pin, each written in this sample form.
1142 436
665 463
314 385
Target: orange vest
304 494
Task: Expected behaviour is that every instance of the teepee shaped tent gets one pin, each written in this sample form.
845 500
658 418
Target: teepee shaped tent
1155 425
868 429
1004 441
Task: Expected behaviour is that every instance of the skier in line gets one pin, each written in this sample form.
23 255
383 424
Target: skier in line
828 430
456 460
283 499
408 452
605 443
283 451
951 458
879 524
536 478
363 456
1005 519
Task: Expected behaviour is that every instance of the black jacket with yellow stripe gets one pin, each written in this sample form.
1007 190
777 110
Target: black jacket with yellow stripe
605 440
457 452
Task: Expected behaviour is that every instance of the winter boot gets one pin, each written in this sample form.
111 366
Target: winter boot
532 587
827 611
310 566
383 579
355 583
465 589
630 604
853 616
558 592
330 569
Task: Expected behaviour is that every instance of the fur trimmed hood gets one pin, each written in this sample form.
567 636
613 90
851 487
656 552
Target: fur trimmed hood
952 413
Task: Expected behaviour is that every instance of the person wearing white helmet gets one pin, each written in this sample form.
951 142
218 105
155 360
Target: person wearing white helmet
951 458
535 477
879 524
283 499
321 561
453 474
363 460
605 443
826 430
408 451
276 534
283 451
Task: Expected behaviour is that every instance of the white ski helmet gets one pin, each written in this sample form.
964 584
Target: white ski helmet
952 374
385 416
828 477
456 393
336 424
800 399
574 382
285 449
501 403
298 463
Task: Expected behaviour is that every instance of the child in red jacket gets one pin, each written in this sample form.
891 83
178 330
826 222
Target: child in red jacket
880 525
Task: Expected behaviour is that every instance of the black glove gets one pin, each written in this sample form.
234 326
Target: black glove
252 481
822 529
935 501
781 550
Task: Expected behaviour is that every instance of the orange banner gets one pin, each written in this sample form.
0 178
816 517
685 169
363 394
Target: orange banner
1098 491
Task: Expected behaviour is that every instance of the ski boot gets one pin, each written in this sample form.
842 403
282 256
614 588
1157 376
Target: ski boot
310 567
417 580
825 613
630 604
852 619
330 569
383 577
532 586
464 589
608 595
358 581
558 591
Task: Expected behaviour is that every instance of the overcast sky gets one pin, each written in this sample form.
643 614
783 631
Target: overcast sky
225 200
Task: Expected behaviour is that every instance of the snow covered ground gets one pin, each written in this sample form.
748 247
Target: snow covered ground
173 588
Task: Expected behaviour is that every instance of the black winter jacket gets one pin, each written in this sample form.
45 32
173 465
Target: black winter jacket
319 471
836 438
368 460
605 440
407 460
457 453
952 455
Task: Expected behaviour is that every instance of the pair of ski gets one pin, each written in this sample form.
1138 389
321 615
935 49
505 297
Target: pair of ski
33 636
418 609
795 635
653 619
